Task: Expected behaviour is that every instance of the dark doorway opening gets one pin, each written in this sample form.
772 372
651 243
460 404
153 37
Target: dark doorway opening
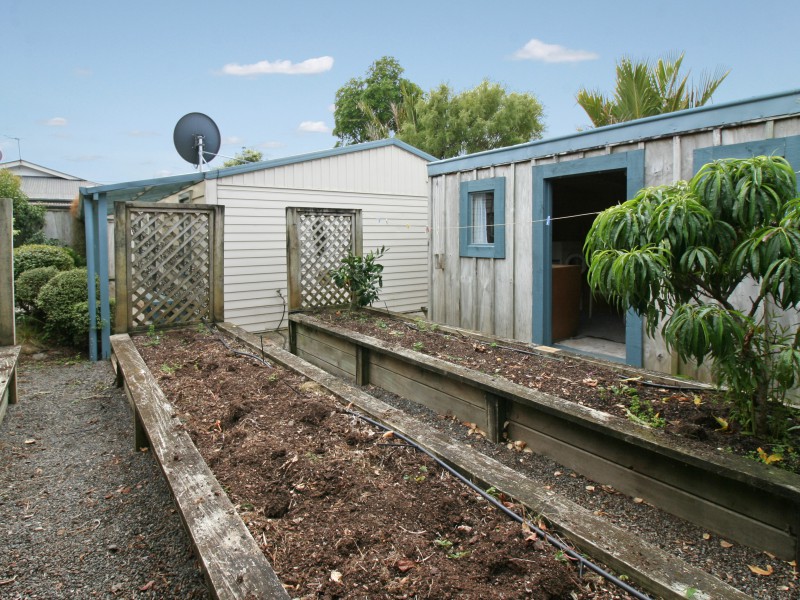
581 320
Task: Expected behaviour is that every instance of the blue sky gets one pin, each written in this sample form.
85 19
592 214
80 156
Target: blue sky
94 89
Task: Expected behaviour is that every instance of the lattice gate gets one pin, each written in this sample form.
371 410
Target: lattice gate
317 241
168 260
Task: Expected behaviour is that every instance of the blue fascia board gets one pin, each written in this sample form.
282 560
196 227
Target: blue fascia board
703 117
142 184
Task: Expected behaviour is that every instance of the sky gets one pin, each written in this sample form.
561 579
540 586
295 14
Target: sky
94 89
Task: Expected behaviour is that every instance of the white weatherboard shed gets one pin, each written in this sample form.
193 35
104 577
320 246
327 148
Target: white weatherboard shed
386 179
526 279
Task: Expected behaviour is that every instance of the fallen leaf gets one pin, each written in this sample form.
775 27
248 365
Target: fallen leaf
768 459
759 571
388 435
557 473
519 445
725 544
697 400
147 586
706 536
405 564
590 488
638 500
30 441
336 576
590 382
724 425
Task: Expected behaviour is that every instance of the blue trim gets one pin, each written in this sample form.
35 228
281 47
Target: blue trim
102 267
762 107
89 227
787 147
497 249
633 164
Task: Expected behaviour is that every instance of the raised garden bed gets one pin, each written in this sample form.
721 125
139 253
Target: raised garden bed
9 355
342 511
739 498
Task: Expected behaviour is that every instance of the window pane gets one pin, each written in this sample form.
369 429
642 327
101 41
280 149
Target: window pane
482 217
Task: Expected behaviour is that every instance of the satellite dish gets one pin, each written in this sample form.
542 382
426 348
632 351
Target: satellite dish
196 138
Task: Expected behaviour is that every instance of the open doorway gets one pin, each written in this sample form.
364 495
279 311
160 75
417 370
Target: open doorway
580 319
577 187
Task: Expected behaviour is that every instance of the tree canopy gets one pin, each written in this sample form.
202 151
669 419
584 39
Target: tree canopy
676 255
644 89
440 122
28 219
247 155
367 109
447 124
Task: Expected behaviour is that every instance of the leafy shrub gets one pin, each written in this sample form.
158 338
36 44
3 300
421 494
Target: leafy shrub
34 256
60 300
28 286
361 276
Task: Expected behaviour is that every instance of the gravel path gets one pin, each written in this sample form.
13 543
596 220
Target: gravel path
81 514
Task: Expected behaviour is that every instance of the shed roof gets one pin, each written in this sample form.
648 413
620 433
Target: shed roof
153 190
43 185
692 119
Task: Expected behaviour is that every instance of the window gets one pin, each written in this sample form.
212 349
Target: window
482 218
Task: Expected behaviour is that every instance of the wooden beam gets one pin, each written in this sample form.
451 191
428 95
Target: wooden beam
234 565
7 326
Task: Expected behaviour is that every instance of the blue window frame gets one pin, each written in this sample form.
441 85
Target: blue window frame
787 147
482 218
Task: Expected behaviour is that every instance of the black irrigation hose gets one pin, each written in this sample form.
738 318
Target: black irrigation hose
552 540
680 388
237 352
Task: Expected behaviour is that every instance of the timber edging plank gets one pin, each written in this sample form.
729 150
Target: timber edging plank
234 565
9 356
649 566
737 498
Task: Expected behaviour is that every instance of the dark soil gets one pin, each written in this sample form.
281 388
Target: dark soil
701 415
341 509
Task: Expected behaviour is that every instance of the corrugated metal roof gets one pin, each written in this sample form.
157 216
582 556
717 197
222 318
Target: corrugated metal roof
51 189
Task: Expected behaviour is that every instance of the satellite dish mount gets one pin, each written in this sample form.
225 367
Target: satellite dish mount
197 139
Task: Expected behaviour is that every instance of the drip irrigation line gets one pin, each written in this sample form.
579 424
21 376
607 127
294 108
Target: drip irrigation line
583 562
237 352
682 388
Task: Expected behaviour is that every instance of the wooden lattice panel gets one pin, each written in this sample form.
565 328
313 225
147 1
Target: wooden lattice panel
170 267
325 239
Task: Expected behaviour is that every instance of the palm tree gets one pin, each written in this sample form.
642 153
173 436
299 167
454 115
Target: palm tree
645 89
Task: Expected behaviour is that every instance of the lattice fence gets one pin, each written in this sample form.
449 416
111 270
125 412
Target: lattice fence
318 241
169 267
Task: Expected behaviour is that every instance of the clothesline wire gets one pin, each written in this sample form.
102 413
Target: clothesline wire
546 220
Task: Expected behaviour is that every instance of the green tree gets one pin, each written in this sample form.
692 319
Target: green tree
28 219
676 255
447 124
368 108
247 155
644 89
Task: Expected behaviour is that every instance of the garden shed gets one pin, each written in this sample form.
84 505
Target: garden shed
508 225
383 183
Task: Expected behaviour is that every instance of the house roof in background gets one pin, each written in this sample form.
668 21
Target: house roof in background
46 186
675 123
153 190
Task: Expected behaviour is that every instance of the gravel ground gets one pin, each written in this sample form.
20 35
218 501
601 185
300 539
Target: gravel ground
81 514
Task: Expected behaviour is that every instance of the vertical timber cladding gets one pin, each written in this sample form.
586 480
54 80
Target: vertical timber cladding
317 240
170 259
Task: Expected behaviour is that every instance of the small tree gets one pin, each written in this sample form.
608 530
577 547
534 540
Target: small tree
362 276
678 253
28 219
247 155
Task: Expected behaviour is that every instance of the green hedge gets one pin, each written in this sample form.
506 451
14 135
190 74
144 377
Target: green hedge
29 284
57 300
35 256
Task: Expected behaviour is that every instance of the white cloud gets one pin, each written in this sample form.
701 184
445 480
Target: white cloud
56 122
314 127
552 53
271 145
232 140
312 66
331 108
81 72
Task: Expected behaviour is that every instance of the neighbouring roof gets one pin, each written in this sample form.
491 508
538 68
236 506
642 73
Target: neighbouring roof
676 123
153 190
46 186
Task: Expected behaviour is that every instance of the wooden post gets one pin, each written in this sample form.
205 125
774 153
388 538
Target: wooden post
495 417
293 259
8 336
362 365
218 265
7 331
121 250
